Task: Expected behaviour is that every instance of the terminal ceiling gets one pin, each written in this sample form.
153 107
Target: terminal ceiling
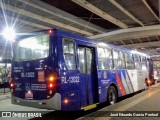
132 24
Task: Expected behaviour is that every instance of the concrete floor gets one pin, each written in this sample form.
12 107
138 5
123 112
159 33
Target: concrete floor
141 104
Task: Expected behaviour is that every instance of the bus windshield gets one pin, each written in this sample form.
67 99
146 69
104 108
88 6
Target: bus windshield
32 48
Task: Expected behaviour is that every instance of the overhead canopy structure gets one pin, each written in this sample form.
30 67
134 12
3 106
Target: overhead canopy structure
128 23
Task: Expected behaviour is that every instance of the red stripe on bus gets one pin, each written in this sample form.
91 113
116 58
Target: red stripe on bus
120 85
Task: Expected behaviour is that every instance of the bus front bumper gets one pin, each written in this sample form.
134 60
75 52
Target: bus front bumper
53 103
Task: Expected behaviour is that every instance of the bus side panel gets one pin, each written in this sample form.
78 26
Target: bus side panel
91 89
134 77
125 80
105 78
131 80
138 78
69 91
83 97
141 78
69 82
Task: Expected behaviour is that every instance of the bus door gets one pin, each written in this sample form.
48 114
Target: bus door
87 75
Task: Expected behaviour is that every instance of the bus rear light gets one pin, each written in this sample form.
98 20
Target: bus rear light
11 84
149 81
50 31
66 101
51 85
51 78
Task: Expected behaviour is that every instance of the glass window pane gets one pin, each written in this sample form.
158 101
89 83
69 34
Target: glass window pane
70 62
128 57
89 60
32 48
138 65
129 65
104 58
71 48
107 53
101 53
68 51
121 64
82 60
136 58
65 46
115 54
121 56
115 63
109 64
144 59
101 63
131 57
101 58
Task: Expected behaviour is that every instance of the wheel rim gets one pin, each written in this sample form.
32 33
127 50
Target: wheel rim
112 97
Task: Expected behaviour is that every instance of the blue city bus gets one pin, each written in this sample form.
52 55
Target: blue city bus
57 70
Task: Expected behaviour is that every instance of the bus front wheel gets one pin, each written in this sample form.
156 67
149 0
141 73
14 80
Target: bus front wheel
112 95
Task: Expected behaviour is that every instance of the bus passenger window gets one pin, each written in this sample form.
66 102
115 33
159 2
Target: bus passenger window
89 60
109 63
121 61
104 58
137 61
115 58
101 58
69 53
81 53
121 64
129 65
71 48
129 61
144 67
65 47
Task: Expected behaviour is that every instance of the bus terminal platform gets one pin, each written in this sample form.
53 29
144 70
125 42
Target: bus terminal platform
141 106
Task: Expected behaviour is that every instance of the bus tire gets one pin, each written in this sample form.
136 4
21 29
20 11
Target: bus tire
112 95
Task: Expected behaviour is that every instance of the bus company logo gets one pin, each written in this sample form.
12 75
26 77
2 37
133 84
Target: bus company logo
27 86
